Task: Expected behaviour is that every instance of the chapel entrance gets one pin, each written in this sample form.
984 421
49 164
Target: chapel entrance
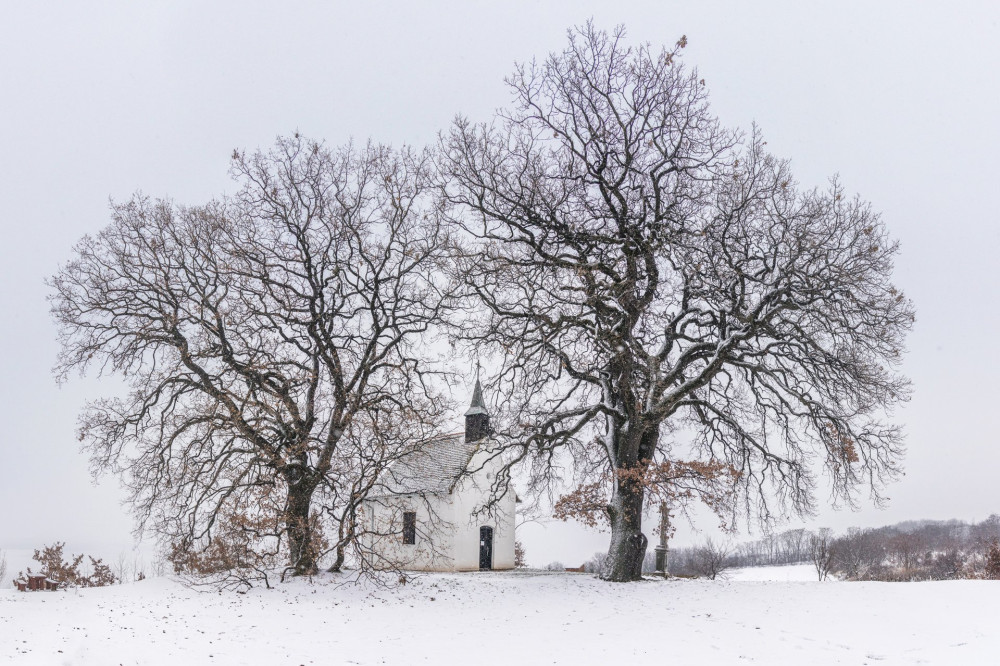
485 548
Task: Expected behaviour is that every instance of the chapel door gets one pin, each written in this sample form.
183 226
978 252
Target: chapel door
485 548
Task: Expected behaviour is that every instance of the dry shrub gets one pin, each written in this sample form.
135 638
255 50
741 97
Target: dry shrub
519 557
246 548
674 482
66 573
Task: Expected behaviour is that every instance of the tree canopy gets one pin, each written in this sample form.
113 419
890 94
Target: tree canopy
669 314
648 277
272 345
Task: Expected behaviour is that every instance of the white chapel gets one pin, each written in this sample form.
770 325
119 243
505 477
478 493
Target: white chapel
425 517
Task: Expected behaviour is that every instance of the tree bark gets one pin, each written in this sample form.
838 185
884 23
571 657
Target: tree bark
628 543
339 561
302 554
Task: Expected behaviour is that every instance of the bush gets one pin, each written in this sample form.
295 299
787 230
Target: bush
519 558
66 573
710 560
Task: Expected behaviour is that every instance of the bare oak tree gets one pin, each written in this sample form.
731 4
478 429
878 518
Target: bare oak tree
271 343
648 277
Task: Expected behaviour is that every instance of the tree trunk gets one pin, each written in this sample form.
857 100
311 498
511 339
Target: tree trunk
302 554
339 562
628 543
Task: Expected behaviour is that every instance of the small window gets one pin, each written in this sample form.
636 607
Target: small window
409 527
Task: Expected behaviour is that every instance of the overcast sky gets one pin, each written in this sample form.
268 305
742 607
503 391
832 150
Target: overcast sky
99 100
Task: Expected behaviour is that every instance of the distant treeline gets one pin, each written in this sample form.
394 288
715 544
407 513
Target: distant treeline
908 551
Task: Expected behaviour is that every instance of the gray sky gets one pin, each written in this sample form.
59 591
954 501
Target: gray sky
98 101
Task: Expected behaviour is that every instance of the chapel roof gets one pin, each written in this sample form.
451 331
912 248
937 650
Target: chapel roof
434 468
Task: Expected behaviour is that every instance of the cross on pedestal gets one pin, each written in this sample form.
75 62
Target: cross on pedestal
662 551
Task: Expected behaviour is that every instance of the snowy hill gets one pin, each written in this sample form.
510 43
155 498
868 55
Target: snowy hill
515 618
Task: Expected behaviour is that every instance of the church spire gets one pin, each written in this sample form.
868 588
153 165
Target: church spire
477 406
477 419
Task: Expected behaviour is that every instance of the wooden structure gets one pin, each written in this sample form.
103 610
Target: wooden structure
35 582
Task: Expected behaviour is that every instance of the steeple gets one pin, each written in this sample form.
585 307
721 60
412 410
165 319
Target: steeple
477 419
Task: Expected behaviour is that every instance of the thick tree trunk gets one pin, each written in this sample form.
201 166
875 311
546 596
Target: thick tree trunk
628 543
302 553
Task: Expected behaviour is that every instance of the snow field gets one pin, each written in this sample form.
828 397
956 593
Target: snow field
788 573
511 619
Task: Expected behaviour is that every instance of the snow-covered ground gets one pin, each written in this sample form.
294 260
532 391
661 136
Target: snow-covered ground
509 618
789 573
